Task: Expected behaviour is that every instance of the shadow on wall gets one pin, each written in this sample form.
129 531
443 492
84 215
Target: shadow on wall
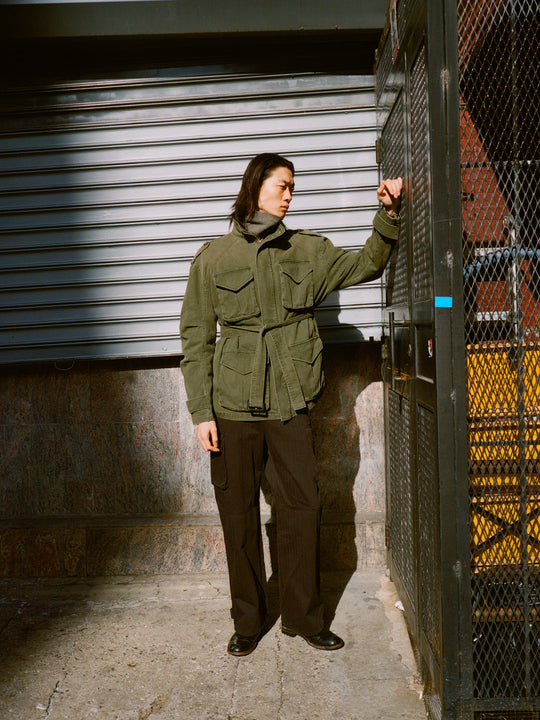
99 459
349 436
348 433
101 472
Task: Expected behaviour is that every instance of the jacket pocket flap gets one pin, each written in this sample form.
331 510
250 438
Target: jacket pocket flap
234 280
297 271
240 362
307 351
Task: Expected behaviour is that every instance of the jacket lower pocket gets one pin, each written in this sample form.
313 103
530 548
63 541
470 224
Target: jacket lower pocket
233 379
307 358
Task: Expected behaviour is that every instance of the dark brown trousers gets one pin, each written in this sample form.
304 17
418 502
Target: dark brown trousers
284 453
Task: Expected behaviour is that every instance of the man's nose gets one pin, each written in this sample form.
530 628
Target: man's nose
288 194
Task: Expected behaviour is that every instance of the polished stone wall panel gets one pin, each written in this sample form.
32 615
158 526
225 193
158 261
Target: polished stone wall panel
49 552
48 470
349 430
155 550
45 394
338 457
195 486
375 544
134 394
136 469
112 442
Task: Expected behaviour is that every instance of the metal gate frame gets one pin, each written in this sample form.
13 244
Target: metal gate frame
425 371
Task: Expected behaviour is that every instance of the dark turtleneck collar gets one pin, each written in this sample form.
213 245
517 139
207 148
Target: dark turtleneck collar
261 223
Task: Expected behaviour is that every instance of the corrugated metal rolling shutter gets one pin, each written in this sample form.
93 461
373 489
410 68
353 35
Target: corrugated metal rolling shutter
108 189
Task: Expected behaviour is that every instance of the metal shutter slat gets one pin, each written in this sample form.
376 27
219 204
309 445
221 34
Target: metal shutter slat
109 188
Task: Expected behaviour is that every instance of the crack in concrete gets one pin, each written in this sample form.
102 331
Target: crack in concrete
217 589
57 690
232 706
281 675
51 696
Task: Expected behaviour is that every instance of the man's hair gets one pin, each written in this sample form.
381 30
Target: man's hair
258 169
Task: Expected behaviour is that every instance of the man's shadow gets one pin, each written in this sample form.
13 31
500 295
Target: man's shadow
349 368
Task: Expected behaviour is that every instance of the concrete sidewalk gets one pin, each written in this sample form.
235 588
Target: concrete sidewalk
139 648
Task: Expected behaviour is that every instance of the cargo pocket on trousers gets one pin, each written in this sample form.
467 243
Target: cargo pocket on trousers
218 469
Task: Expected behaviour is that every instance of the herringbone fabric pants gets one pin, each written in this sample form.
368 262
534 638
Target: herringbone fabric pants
284 452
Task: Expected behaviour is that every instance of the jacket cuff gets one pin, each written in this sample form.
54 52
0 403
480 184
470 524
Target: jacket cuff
387 226
202 416
200 412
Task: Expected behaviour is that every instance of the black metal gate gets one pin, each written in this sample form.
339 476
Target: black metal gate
459 118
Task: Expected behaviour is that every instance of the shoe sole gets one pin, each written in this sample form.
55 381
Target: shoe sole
291 633
242 654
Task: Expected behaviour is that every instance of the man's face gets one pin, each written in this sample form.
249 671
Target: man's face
276 192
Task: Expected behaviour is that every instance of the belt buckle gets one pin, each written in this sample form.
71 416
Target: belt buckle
257 411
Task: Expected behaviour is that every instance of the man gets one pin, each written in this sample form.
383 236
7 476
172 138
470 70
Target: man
250 393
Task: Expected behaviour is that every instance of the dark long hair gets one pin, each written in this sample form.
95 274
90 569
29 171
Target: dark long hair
258 169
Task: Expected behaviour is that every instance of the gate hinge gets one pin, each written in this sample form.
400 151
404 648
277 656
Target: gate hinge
378 151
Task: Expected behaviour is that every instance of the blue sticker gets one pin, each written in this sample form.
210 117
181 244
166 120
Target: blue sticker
443 301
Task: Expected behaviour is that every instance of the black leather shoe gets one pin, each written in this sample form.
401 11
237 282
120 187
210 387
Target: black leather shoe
242 644
324 640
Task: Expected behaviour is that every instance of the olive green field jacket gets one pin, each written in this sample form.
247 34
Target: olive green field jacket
267 363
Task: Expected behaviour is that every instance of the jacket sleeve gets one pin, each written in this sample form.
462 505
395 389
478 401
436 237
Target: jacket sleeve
198 333
341 268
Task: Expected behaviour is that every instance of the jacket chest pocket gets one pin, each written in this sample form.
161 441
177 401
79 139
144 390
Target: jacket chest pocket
296 284
235 295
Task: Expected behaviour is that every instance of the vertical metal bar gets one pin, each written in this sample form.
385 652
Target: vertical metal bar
449 330
392 351
520 348
461 570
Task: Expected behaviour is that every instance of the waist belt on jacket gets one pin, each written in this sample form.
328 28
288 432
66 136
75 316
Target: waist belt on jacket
270 339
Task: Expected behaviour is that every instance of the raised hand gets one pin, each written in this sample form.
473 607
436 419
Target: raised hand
389 194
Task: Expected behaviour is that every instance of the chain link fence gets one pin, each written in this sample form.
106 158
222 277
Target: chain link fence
499 76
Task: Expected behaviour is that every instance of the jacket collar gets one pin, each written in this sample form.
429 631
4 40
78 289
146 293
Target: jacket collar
240 231
262 223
